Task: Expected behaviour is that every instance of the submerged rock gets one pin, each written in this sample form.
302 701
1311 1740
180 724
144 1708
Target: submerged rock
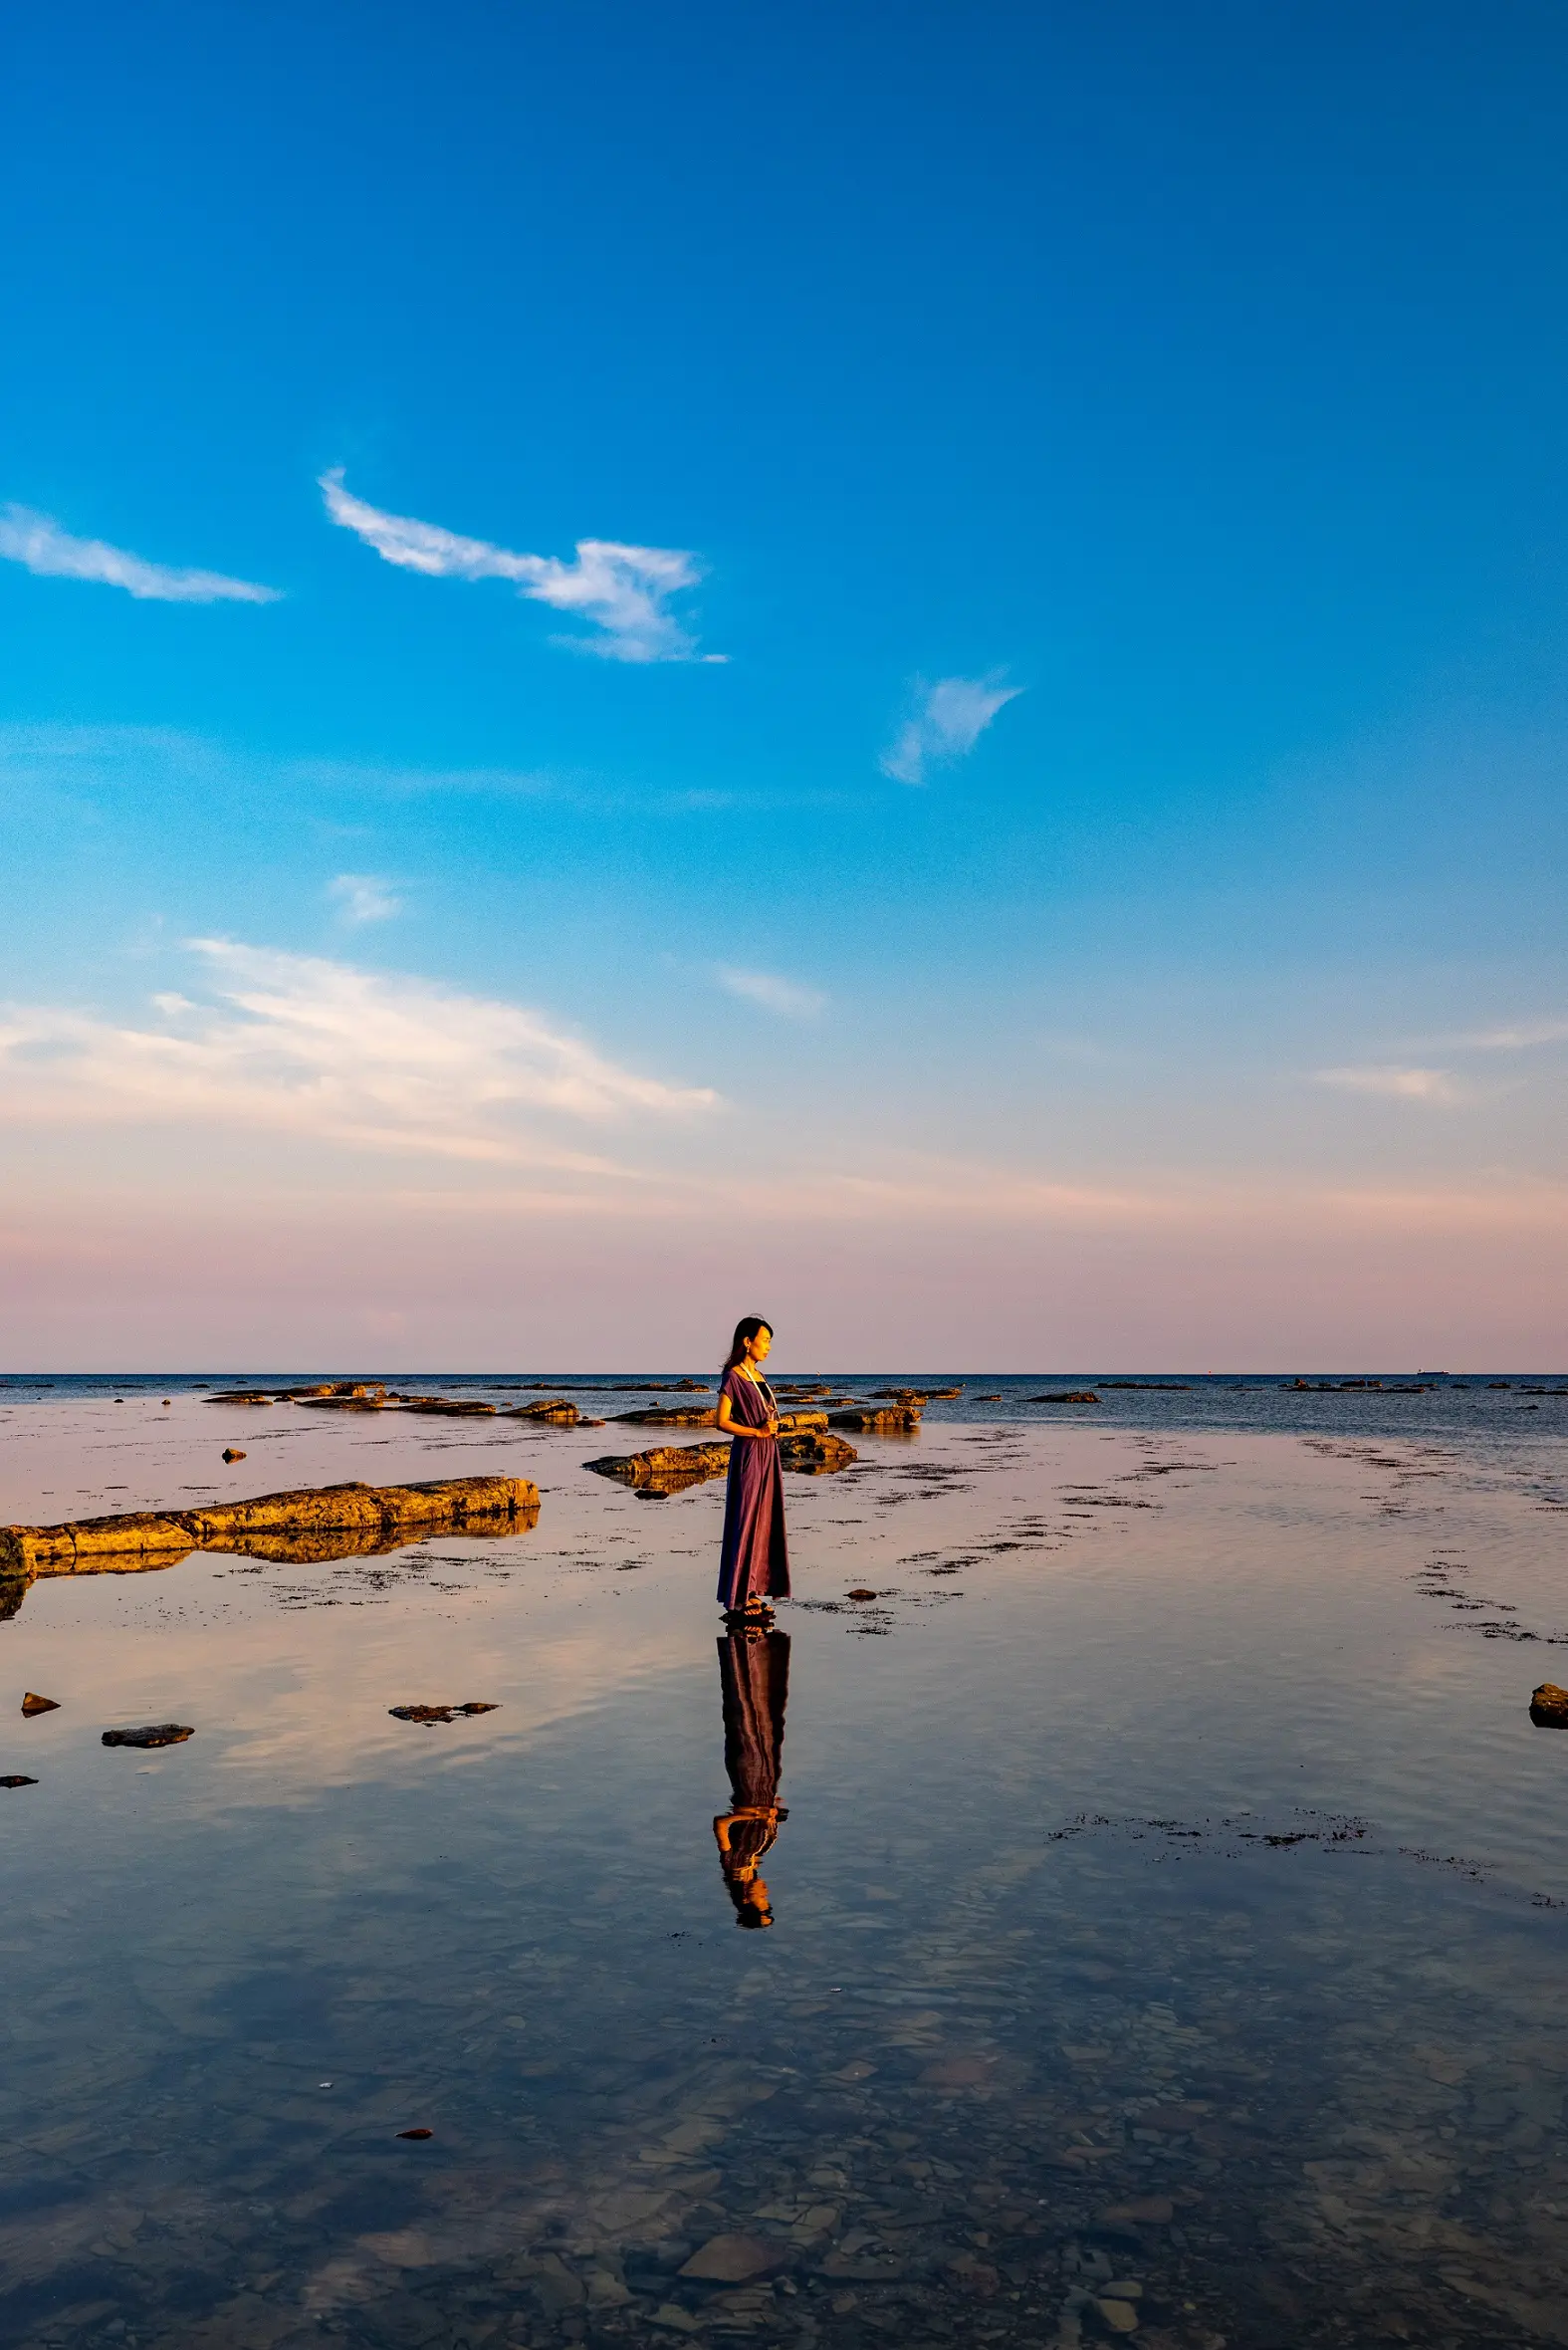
1120 2316
735 2259
1549 1707
154 1734
32 1703
17 1778
1072 1395
1150 2211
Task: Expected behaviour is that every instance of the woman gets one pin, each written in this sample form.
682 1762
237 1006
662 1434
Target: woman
753 1565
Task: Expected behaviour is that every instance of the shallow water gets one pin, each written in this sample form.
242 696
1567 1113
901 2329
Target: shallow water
1172 1895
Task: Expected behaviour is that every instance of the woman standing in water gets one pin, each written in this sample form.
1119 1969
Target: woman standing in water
753 1565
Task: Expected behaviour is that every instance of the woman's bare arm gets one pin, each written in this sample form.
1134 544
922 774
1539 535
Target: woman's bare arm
733 1427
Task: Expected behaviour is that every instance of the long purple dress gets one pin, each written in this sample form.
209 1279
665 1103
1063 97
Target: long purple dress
755 1560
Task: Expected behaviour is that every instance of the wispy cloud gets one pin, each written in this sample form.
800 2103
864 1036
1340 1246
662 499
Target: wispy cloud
625 590
1511 1040
784 996
53 554
363 897
948 720
300 1045
1393 1083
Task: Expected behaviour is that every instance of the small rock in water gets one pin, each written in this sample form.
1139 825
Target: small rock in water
32 1703
17 1778
416 2133
1120 2316
1150 2211
1549 1707
156 1734
958 2072
859 1592
230 1454
735 2259
430 1713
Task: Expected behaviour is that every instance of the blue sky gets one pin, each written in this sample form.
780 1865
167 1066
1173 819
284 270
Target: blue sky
1077 841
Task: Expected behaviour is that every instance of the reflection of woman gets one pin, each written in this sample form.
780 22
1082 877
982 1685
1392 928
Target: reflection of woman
753 1565
753 1672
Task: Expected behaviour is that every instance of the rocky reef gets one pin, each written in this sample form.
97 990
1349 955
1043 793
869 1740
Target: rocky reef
671 1468
672 1415
878 1419
322 1521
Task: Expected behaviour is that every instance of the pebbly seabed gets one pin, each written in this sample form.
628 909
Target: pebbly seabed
1169 1912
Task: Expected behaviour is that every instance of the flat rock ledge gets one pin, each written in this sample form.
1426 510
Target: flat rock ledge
805 1441
671 1466
671 1415
816 1451
379 1512
914 1394
878 1419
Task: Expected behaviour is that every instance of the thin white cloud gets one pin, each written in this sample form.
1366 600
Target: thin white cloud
625 590
784 996
1512 1039
1393 1083
363 897
299 1044
946 723
53 554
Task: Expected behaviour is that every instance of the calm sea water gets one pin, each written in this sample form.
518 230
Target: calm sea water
1167 1915
1491 1406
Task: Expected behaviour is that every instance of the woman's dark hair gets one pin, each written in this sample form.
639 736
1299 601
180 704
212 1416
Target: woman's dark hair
750 1325
747 1914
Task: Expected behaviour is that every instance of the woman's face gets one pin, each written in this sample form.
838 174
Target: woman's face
761 1346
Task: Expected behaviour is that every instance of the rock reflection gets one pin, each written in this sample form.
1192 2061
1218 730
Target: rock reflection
275 1546
754 1674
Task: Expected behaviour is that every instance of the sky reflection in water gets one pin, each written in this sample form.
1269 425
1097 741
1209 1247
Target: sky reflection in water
1169 1899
